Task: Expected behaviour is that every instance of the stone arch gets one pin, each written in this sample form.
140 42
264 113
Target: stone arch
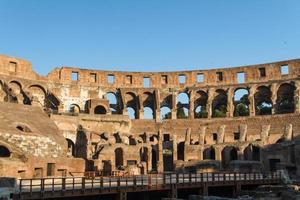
132 102
200 103
183 105
71 147
38 95
263 100
180 151
219 104
113 100
74 108
241 102
4 151
252 152
285 102
209 153
15 87
165 108
119 158
229 153
100 110
148 105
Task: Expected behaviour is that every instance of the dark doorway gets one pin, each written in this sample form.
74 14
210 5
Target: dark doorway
180 151
100 110
273 163
118 157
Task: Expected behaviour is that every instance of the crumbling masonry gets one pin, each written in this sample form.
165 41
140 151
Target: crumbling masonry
75 120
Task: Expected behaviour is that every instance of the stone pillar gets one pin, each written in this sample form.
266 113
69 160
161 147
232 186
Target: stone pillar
157 106
157 115
240 153
288 132
252 101
174 146
230 104
149 160
192 105
141 113
211 93
274 97
174 106
188 137
160 164
201 138
218 151
221 134
297 97
243 132
265 134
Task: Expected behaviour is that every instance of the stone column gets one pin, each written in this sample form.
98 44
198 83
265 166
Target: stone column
174 146
201 138
149 159
218 151
297 97
192 105
252 101
221 134
174 106
160 162
230 105
157 106
211 93
243 132
274 97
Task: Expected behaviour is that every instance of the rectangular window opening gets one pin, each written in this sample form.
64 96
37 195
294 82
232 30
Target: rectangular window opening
74 76
110 79
146 82
12 66
128 79
236 135
241 77
181 78
200 78
220 76
166 137
164 79
50 169
215 136
284 69
93 77
262 71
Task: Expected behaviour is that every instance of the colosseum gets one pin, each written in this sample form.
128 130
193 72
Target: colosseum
77 120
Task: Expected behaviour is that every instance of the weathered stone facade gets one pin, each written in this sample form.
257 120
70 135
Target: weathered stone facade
149 121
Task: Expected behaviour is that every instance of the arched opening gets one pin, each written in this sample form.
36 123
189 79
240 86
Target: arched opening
219 104
252 152
74 108
113 102
285 102
200 104
180 151
131 113
144 154
148 113
119 162
4 152
99 110
71 147
183 105
228 154
149 105
154 159
165 113
241 102
132 105
38 95
263 101
209 154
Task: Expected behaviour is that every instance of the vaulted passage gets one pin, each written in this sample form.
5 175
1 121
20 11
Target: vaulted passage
183 105
252 152
228 154
241 102
4 152
209 154
263 101
219 104
100 110
200 104
285 102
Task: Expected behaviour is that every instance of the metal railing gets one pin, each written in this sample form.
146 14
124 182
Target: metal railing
139 182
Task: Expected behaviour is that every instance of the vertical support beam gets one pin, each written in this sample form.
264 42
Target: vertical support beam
252 101
157 106
140 106
174 106
274 97
191 104
297 97
218 152
201 138
160 164
211 94
230 105
174 146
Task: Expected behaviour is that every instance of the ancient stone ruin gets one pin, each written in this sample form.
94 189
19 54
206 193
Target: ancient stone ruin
76 120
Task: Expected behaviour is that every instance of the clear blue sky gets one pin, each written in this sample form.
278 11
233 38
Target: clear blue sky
153 35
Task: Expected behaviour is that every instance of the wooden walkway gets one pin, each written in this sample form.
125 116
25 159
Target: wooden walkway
82 186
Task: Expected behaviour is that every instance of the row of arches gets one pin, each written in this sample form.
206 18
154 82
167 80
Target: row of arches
263 102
